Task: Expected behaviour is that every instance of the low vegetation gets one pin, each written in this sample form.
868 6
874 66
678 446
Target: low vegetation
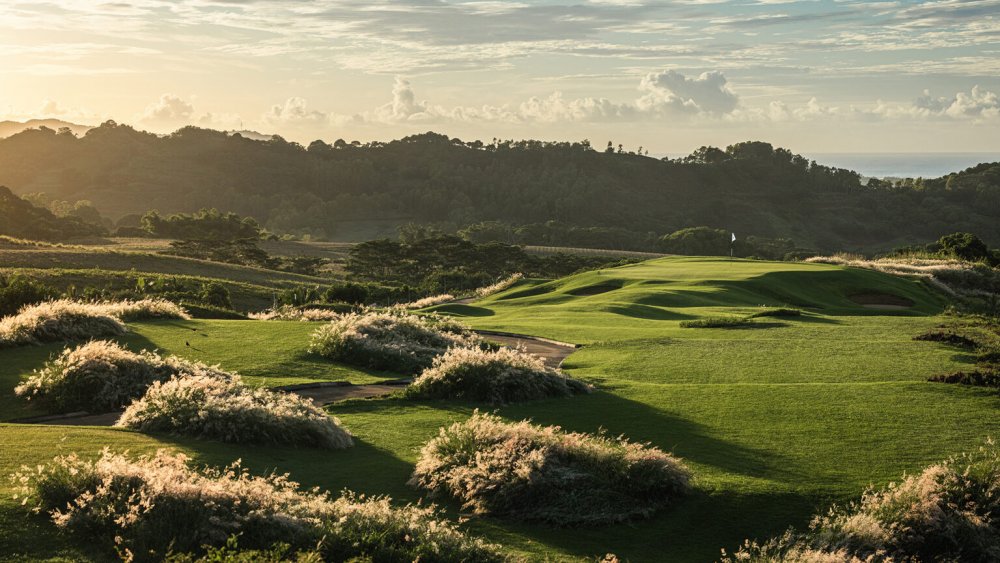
229 411
492 376
718 322
523 471
775 312
150 505
501 285
64 319
428 301
101 376
55 321
291 313
947 512
391 340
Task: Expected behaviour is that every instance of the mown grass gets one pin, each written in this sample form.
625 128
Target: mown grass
775 422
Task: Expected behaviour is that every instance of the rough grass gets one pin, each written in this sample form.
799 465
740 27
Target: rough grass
775 312
290 313
389 340
155 503
947 512
226 410
55 321
101 376
65 319
496 377
718 322
523 471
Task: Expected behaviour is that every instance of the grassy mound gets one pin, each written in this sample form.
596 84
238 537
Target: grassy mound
948 512
157 503
389 340
64 319
54 321
228 411
497 377
529 472
101 376
718 322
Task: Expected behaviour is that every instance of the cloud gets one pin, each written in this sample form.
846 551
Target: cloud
169 108
978 103
294 111
50 108
672 91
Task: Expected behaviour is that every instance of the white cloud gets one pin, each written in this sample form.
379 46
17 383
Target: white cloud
978 103
169 108
294 111
672 91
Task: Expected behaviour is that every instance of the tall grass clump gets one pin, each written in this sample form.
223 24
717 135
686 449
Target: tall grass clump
390 340
775 312
54 321
65 319
498 377
523 471
102 376
499 286
155 504
292 313
948 512
228 411
428 301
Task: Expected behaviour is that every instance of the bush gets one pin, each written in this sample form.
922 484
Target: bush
142 309
156 503
497 377
389 341
524 471
102 376
948 512
228 411
428 301
18 291
775 312
717 322
289 313
216 294
53 321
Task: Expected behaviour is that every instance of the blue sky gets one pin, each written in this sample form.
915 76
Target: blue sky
834 76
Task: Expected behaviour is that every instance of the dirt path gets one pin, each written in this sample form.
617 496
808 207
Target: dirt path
324 393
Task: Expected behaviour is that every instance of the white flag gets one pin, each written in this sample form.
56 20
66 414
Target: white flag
734 238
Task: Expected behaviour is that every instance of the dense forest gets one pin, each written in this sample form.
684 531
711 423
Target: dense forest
527 192
22 219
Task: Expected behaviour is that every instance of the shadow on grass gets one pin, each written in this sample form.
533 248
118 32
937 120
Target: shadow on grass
462 310
693 529
640 311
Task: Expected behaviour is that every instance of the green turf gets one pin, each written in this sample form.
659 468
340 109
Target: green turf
776 421
271 353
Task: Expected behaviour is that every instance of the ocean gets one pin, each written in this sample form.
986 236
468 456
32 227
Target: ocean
904 165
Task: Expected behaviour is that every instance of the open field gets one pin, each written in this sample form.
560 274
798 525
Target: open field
775 420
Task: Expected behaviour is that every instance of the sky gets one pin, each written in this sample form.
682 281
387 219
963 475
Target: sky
668 76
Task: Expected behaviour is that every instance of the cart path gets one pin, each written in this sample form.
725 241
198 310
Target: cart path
324 393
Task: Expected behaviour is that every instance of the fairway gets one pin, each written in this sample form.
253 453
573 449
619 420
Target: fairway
776 420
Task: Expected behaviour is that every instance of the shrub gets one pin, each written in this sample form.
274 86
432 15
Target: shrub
499 286
19 291
216 294
142 309
289 313
717 322
227 410
428 301
948 512
102 376
155 503
529 472
389 340
497 377
53 321
775 312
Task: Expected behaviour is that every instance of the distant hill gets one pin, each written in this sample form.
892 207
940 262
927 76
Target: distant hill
8 128
21 219
533 192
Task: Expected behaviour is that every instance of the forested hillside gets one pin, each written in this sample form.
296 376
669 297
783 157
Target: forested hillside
623 199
